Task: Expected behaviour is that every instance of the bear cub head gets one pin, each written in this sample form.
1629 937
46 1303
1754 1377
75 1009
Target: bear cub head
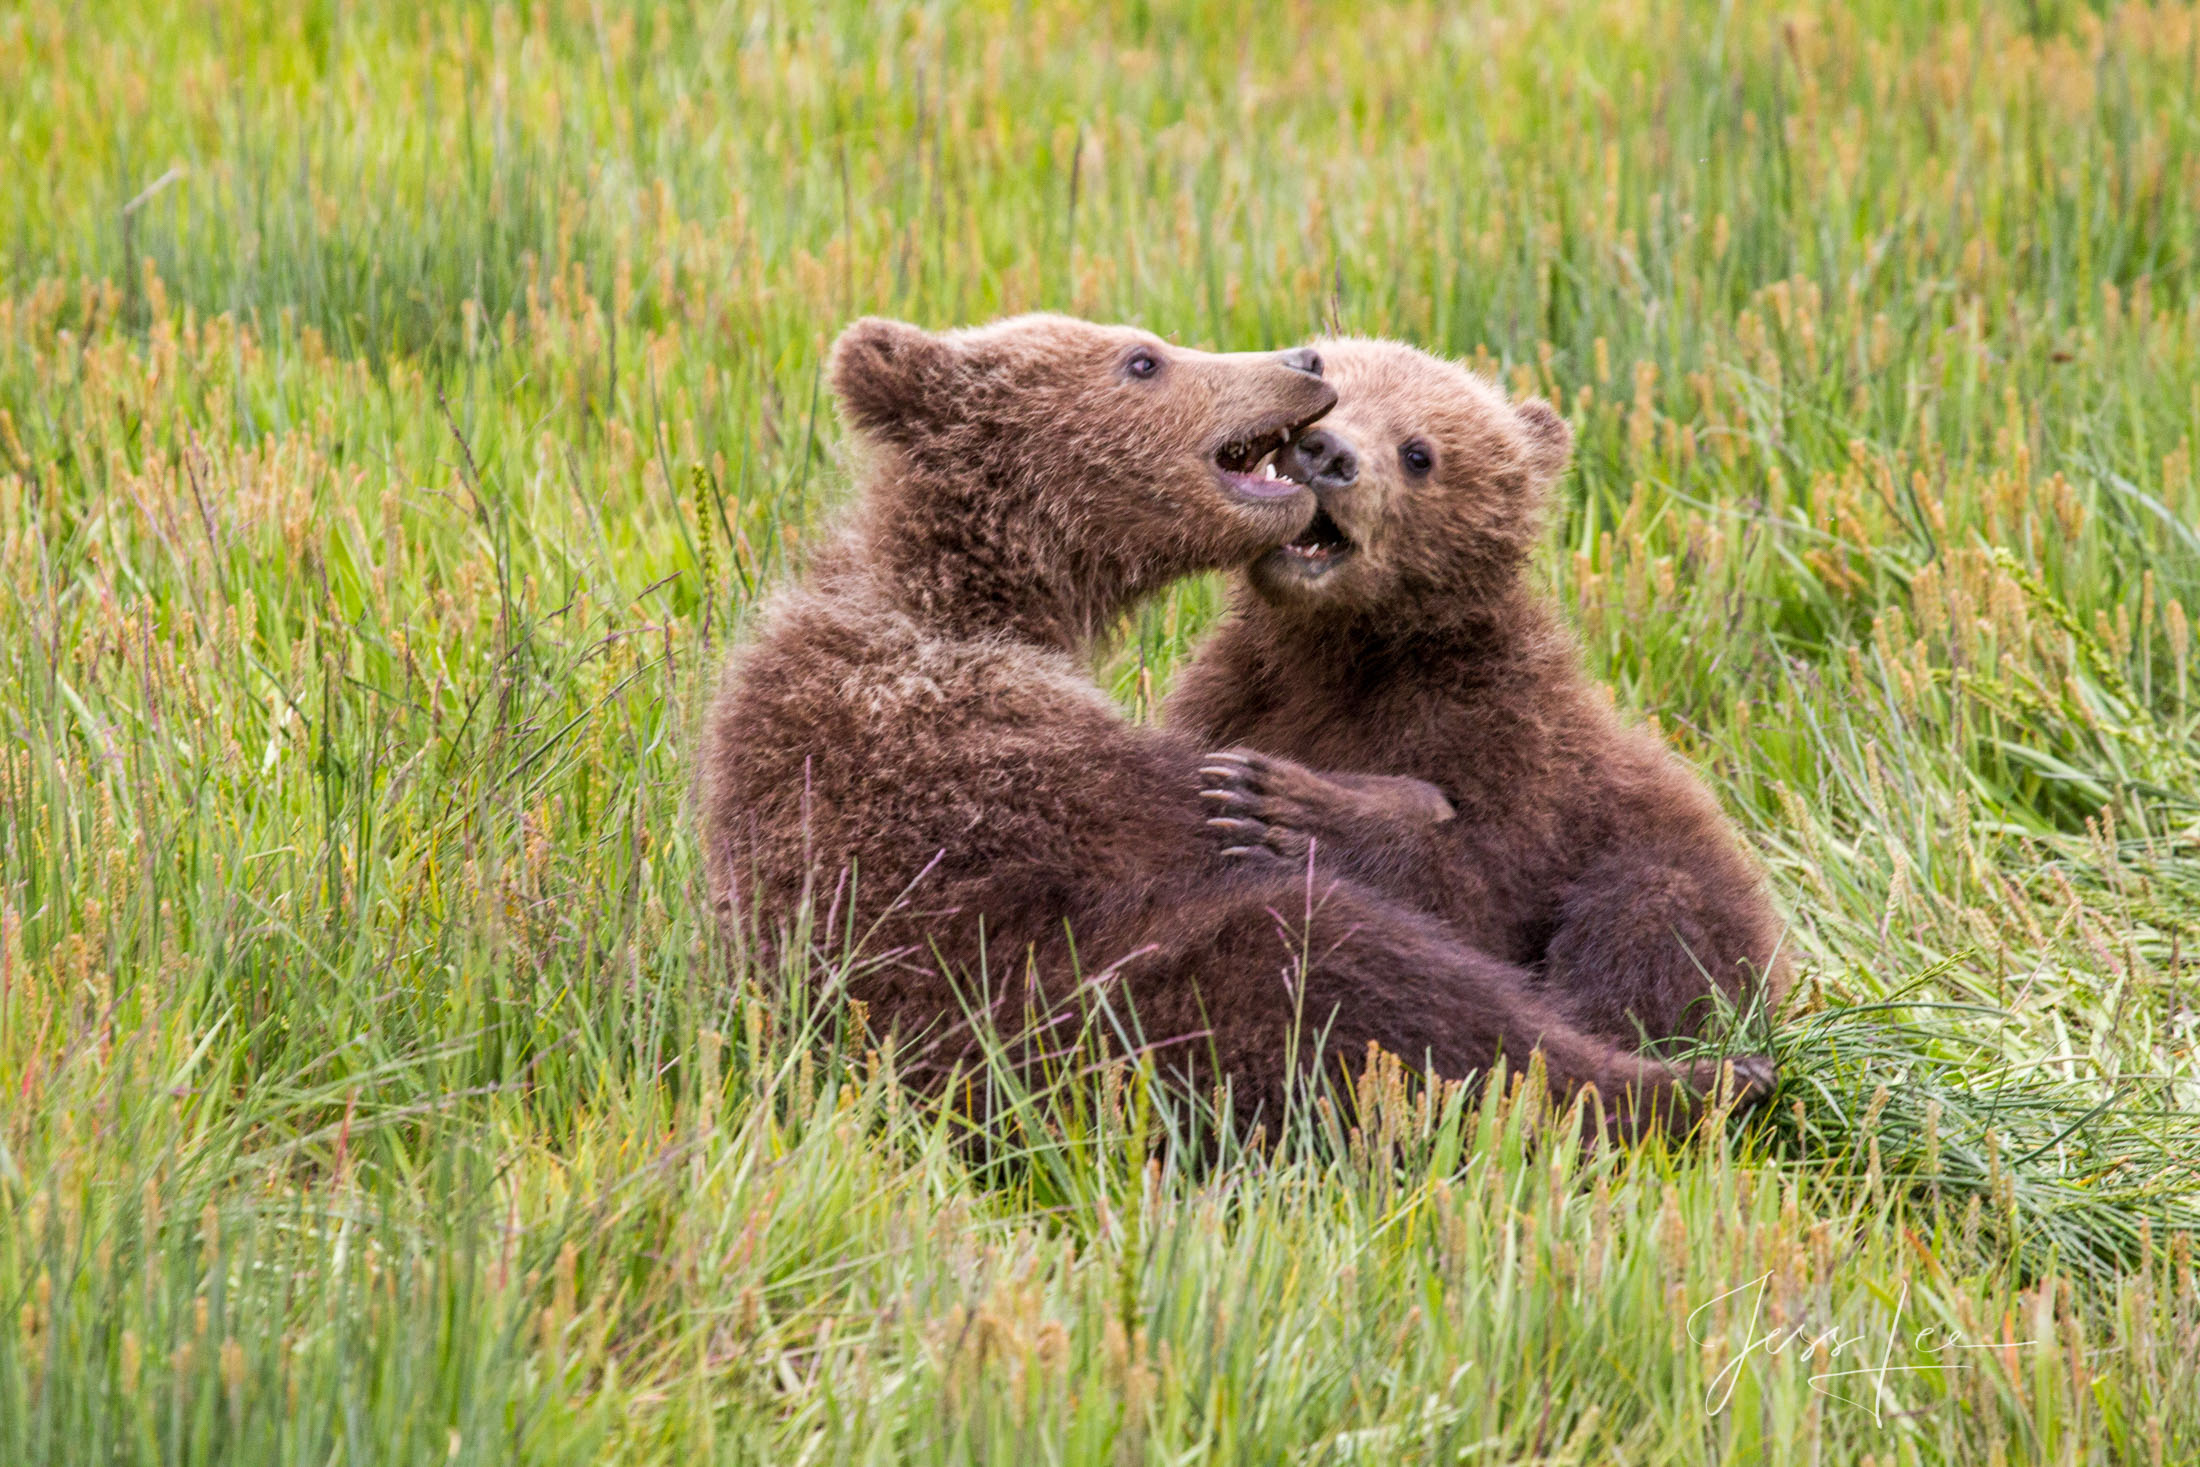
1430 483
1085 463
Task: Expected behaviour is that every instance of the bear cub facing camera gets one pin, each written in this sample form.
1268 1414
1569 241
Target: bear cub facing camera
913 750
1400 635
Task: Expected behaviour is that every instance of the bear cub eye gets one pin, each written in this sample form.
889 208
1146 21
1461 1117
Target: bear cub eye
1142 363
1416 457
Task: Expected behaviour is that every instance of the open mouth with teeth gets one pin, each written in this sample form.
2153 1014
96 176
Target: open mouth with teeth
1248 465
1320 547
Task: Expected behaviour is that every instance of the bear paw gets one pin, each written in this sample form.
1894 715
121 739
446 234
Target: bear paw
1267 805
1754 1078
1260 805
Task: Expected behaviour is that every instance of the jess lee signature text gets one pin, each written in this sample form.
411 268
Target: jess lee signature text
1939 1345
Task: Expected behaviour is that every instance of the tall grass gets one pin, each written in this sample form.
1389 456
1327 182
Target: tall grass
374 1089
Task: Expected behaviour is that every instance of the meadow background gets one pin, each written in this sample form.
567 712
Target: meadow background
374 1091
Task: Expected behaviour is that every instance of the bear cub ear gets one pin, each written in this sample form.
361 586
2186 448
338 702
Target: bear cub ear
1549 440
892 378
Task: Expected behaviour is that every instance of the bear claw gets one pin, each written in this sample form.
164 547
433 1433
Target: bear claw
1256 820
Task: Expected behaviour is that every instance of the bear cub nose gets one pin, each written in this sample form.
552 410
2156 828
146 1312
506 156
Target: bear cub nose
1320 460
1303 358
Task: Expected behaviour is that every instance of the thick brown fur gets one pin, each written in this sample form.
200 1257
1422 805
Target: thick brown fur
1578 848
913 741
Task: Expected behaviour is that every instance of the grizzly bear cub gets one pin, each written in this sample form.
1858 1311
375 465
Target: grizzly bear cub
1399 635
913 748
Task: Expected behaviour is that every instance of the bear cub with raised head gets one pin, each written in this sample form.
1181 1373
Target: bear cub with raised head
1399 635
912 748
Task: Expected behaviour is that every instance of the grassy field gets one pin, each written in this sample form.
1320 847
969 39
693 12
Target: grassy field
373 1091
